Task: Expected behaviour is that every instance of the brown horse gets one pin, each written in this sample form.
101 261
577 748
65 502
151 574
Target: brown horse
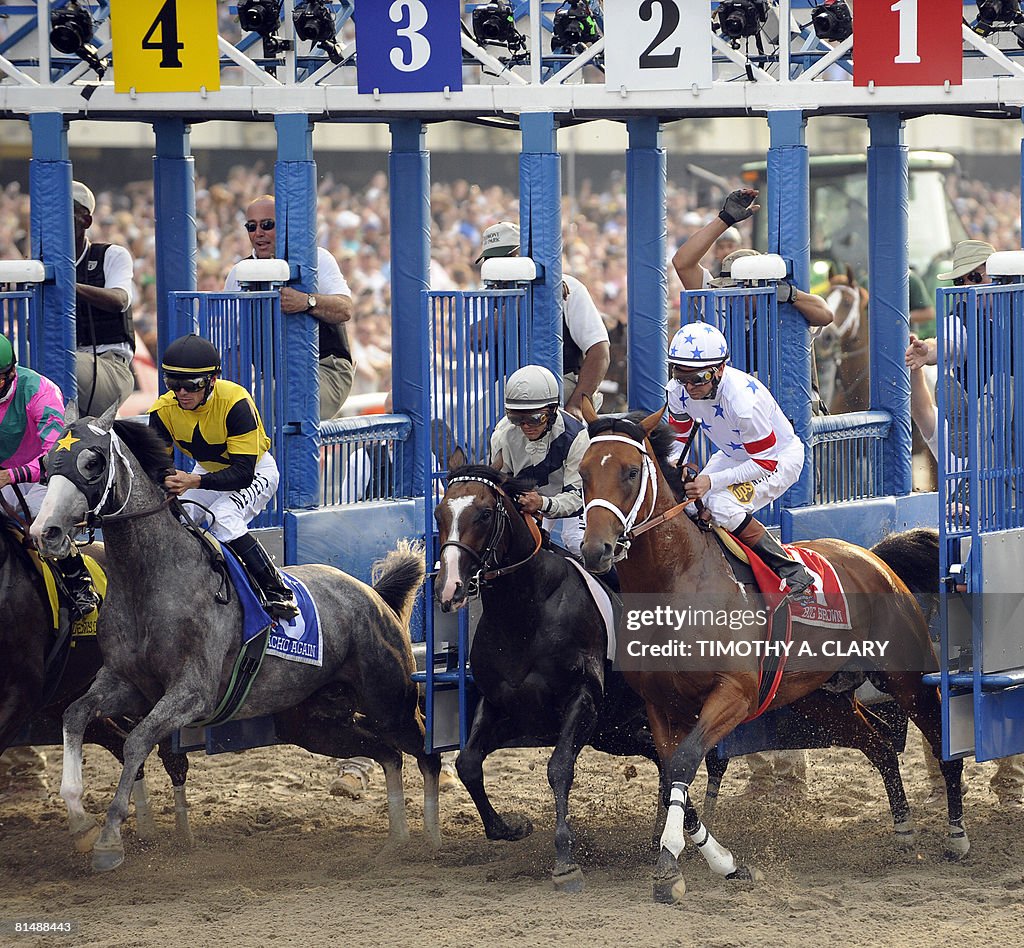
851 390
692 705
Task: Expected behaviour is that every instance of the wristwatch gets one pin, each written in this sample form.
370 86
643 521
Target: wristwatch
310 302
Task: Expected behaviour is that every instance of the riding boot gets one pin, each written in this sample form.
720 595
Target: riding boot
280 600
77 583
795 574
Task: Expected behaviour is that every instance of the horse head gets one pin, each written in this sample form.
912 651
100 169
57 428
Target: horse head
80 473
473 522
92 471
620 485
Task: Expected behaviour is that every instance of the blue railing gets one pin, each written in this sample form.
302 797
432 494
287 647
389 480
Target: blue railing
847 455
362 459
18 322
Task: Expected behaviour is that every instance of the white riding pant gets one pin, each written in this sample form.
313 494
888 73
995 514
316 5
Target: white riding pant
33 494
730 505
231 512
566 532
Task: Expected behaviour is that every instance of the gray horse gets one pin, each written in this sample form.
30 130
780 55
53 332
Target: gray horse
169 646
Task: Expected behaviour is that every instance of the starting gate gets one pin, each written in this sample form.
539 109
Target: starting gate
981 522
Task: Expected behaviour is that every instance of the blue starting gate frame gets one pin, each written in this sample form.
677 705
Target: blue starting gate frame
981 522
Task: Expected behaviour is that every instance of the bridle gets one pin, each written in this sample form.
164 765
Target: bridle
648 482
94 518
486 563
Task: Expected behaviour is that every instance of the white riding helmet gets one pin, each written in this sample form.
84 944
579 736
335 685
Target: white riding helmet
698 346
531 387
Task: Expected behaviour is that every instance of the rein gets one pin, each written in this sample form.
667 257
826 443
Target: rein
487 561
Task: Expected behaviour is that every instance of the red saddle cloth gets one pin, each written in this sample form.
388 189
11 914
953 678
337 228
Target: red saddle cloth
823 604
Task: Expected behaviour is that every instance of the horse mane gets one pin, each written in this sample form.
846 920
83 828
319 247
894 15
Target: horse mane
149 448
661 437
514 486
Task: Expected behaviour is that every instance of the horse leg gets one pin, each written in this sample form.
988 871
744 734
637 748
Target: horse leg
716 767
924 708
725 707
107 694
174 710
490 730
108 733
176 765
669 885
577 729
848 726
398 824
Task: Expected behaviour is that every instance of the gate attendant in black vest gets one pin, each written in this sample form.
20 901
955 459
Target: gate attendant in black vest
103 314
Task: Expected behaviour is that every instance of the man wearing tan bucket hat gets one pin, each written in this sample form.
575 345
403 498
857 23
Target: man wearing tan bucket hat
969 268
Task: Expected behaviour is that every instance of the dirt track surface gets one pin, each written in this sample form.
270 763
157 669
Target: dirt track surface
280 861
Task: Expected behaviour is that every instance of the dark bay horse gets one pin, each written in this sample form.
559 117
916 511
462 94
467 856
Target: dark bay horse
32 692
168 655
538 655
693 706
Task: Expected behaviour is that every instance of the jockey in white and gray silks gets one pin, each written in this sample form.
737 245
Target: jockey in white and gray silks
216 423
758 455
541 442
31 419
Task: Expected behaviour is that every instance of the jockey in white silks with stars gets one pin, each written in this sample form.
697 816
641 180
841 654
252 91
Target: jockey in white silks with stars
758 455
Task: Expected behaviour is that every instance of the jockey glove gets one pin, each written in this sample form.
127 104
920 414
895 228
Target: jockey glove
786 292
737 207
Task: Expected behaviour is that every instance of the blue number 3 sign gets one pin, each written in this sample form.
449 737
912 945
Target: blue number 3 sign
408 45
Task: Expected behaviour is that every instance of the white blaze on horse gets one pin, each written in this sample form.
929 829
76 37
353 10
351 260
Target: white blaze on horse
169 645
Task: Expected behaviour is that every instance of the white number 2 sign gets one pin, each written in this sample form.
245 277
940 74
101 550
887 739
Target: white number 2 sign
659 44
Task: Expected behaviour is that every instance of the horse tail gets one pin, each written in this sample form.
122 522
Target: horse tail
398 577
913 555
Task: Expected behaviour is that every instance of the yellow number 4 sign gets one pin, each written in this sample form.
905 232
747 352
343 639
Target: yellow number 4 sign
165 45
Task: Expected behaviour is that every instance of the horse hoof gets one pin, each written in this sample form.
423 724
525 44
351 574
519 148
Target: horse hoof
146 829
746 874
569 880
185 840
106 859
516 827
957 846
84 839
903 834
669 891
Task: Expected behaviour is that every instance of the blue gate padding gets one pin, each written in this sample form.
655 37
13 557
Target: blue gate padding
353 537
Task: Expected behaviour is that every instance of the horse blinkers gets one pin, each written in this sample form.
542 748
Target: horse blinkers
82 456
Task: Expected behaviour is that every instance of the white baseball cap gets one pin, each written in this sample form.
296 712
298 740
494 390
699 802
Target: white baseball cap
499 240
81 194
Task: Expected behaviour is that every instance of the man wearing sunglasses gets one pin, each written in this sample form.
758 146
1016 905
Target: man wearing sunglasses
758 455
539 441
331 305
969 268
31 420
216 423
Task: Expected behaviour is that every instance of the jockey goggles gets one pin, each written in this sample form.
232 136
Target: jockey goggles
699 377
177 383
521 418
266 224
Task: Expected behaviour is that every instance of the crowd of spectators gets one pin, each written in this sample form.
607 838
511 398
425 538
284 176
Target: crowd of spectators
354 225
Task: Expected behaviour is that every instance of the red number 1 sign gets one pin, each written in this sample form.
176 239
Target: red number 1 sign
908 42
